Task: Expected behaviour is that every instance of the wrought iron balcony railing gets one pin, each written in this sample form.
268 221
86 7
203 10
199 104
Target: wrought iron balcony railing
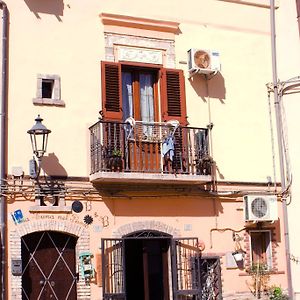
149 148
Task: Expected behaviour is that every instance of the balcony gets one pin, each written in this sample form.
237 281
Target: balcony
139 152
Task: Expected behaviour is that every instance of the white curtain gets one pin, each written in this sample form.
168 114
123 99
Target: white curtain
147 98
127 95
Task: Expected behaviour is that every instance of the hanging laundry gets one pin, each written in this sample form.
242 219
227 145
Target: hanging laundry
168 147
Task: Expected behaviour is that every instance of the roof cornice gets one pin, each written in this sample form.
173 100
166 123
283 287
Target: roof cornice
141 23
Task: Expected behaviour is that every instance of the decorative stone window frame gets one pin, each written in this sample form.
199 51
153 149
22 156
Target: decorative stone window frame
55 100
83 244
120 34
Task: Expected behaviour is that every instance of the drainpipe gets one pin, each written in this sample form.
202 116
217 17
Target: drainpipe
278 112
298 14
3 152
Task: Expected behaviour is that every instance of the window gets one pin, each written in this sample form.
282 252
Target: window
261 247
138 94
48 90
149 94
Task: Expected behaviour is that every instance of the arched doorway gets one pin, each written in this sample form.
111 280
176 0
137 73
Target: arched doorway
49 266
151 265
147 265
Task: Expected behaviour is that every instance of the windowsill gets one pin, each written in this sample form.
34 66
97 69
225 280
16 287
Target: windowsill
48 209
48 101
271 273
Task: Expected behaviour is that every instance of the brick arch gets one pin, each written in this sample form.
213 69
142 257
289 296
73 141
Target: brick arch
146 225
83 242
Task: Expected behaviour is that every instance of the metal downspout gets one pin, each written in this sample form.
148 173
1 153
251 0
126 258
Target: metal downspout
278 112
3 152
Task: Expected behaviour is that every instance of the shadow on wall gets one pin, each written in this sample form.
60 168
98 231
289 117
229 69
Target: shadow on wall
165 206
53 7
52 167
207 86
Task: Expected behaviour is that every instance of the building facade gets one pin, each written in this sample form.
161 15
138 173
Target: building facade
160 165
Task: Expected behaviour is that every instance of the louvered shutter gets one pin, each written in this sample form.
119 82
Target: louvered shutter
111 91
173 104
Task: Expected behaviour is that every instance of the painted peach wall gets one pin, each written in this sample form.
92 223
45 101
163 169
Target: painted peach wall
185 216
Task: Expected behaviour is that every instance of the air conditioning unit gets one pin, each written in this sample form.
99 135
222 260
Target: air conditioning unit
203 61
260 208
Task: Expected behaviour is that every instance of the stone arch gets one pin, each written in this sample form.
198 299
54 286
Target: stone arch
150 225
83 242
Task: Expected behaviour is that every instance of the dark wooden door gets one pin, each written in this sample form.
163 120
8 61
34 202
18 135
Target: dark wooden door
146 268
49 266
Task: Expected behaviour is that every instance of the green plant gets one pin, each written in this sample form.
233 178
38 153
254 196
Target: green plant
276 293
260 278
117 152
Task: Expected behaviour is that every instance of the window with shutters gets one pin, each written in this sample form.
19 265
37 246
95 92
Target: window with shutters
261 247
147 94
139 94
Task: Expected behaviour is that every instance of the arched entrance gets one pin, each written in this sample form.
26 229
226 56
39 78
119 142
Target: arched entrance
151 265
49 266
146 265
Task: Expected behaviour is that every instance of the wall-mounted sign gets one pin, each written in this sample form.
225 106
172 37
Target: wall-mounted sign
16 267
17 216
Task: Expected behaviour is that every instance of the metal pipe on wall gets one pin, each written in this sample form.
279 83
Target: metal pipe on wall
3 144
278 112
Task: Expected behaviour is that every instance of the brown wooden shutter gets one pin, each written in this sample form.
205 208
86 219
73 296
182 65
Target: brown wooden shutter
258 245
111 91
173 103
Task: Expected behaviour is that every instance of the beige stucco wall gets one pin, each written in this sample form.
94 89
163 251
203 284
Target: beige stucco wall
71 45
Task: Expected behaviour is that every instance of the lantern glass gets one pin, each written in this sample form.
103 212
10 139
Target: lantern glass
39 137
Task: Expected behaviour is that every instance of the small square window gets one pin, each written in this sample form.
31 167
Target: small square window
48 90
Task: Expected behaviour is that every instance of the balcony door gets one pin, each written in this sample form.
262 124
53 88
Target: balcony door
139 99
150 93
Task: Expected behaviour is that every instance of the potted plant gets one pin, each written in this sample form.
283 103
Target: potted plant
116 161
276 293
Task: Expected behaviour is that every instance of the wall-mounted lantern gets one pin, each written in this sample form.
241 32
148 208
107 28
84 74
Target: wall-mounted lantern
39 138
239 253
